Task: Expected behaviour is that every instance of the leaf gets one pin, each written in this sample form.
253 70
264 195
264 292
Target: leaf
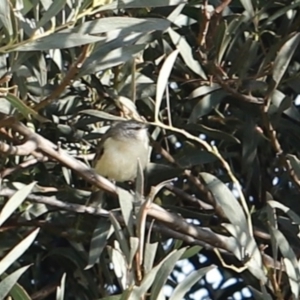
258 295
284 57
186 53
206 104
127 25
102 115
149 256
290 261
15 201
192 157
134 245
293 216
17 251
140 3
24 109
248 7
98 241
213 133
164 272
120 237
162 81
171 259
126 200
120 266
279 101
109 59
5 16
51 12
191 251
184 286
19 293
60 291
239 224
278 13
204 90
8 282
59 40
295 162
156 173
250 143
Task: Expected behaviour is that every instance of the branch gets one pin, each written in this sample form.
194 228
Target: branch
166 223
70 75
52 151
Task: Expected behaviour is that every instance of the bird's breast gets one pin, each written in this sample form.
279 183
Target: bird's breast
120 158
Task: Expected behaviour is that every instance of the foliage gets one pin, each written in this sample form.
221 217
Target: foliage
217 82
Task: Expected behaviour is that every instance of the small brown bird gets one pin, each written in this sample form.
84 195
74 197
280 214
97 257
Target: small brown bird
119 150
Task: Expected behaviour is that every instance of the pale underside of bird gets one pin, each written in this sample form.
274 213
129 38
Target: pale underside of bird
120 150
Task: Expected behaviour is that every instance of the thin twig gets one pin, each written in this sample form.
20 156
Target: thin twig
74 69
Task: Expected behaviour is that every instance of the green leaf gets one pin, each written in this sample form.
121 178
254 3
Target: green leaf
225 200
109 58
8 282
149 256
19 293
5 16
295 162
162 81
164 272
258 295
102 115
17 251
248 7
51 12
191 251
206 104
127 25
98 241
121 238
284 57
184 286
140 3
290 261
59 40
24 109
120 266
60 292
171 259
204 90
15 201
293 216
186 53
126 200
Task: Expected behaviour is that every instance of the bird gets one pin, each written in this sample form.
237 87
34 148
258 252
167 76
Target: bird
119 150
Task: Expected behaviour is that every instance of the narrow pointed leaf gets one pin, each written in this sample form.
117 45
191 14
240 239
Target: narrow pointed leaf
184 286
17 251
14 202
8 282
162 80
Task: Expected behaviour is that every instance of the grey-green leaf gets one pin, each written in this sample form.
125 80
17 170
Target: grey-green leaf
186 53
59 40
284 57
140 3
14 202
8 282
17 251
5 16
184 286
98 242
164 271
162 80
